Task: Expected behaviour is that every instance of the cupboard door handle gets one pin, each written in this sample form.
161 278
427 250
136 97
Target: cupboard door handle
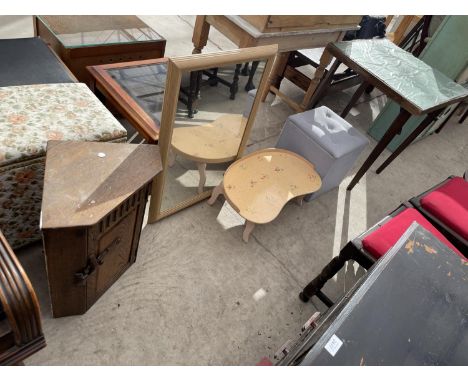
80 277
105 252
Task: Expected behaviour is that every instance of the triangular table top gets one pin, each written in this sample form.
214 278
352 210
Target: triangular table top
84 181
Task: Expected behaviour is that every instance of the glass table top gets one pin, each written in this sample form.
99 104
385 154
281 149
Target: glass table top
145 84
82 31
413 79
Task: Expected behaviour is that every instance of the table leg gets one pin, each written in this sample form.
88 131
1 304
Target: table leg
421 127
360 90
439 129
235 82
201 30
463 117
299 200
277 73
319 73
394 129
322 87
192 92
202 172
245 70
218 190
249 226
250 85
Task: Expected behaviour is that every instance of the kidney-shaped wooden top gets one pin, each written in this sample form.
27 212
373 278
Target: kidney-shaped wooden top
260 184
215 142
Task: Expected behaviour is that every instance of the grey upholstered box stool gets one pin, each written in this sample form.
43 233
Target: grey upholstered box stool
327 141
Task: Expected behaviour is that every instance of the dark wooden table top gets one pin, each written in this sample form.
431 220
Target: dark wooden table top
412 309
84 181
29 61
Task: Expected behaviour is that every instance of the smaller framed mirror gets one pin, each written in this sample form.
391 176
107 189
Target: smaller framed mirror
206 120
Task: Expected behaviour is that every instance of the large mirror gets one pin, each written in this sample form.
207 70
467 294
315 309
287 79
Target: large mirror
207 116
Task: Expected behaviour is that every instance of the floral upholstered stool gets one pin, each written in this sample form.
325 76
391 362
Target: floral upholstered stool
258 185
30 115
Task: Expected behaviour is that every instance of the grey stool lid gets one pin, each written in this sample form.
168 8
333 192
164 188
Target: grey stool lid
330 131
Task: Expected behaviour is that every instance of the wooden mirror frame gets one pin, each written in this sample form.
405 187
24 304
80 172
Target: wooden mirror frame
176 67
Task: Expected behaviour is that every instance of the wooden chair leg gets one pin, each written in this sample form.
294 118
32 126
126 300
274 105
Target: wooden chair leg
314 288
249 226
218 190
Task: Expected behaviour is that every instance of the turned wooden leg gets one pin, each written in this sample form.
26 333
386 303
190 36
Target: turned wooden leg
201 30
314 288
249 226
235 82
319 74
277 73
202 171
218 190
250 85
245 70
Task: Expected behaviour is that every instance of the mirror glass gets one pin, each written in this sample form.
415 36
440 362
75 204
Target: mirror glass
212 112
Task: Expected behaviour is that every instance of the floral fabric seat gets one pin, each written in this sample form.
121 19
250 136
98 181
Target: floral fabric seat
30 116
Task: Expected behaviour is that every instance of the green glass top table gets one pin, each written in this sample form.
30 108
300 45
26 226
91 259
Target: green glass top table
91 40
418 88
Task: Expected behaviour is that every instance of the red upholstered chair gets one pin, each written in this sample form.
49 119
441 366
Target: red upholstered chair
371 245
446 207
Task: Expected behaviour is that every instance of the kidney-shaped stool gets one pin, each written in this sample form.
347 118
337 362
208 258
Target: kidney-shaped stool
258 185
215 142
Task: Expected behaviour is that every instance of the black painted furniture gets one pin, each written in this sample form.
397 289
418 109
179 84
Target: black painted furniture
29 61
410 309
371 246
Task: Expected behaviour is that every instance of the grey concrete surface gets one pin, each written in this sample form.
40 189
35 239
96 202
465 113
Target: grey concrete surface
198 295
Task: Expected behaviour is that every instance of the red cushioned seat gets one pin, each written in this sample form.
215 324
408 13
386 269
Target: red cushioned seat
449 204
378 242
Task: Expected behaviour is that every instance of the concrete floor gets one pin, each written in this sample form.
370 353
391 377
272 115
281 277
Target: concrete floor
198 295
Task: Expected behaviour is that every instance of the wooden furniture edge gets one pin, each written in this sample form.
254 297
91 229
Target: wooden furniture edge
21 307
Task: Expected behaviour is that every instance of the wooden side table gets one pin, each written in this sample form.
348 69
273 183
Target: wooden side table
92 212
258 185
311 33
92 40
418 88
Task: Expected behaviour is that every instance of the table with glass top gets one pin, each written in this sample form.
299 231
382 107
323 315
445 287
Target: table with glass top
418 88
91 40
136 90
